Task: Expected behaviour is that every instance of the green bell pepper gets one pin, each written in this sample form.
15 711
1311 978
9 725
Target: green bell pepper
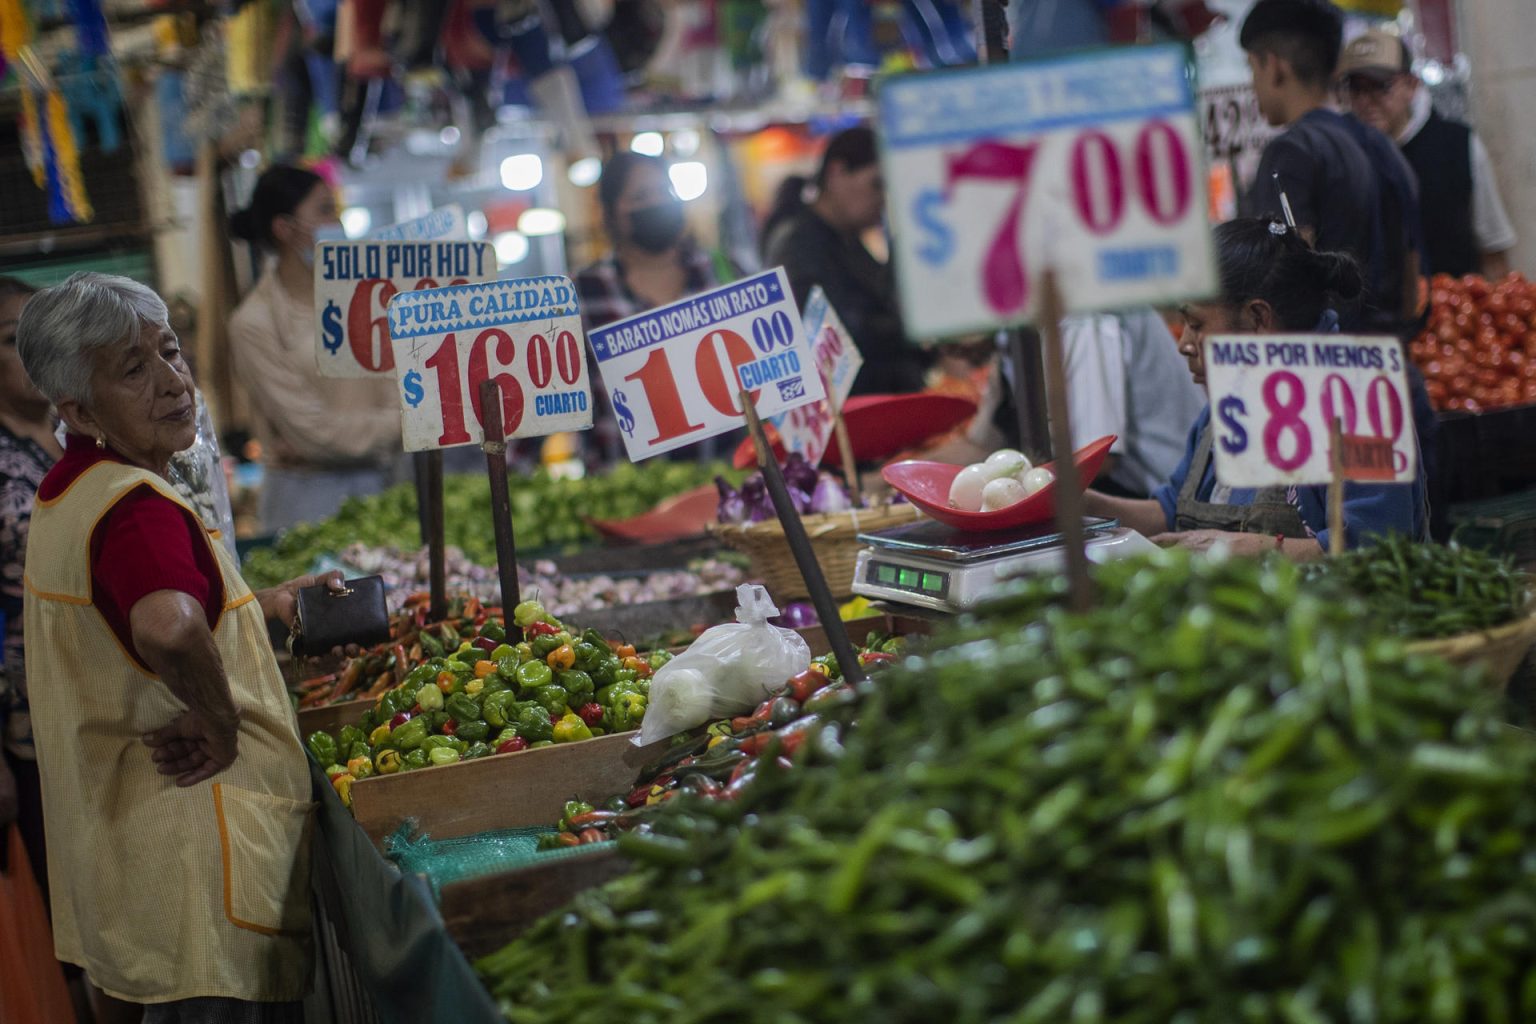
444 755
532 723
432 743
429 697
497 706
494 683
506 734
595 638
627 712
430 645
415 759
436 720
410 735
369 721
492 631
571 729
544 643
421 674
587 656
322 747
349 735
358 749
605 672
576 683
464 708
472 732
532 675
552 698
477 750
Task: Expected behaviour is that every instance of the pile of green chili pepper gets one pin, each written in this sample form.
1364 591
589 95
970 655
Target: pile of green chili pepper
1425 591
1219 797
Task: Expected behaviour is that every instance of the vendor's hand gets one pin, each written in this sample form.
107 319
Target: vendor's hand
282 601
1248 545
8 803
194 748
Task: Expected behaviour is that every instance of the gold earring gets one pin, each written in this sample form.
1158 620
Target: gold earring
101 441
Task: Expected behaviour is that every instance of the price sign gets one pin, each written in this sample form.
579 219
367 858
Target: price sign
524 334
674 374
354 282
446 223
1274 399
1089 164
808 428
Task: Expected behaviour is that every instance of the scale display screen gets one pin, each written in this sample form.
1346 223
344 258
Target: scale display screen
928 582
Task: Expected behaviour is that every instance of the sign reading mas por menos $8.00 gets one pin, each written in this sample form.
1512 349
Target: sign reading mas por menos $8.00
524 334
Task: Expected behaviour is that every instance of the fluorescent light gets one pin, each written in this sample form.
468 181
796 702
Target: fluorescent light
449 136
250 159
685 142
355 221
585 172
476 225
511 247
689 179
541 221
648 143
522 172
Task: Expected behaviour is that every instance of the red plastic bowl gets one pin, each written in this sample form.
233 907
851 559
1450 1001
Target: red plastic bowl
684 515
880 426
926 485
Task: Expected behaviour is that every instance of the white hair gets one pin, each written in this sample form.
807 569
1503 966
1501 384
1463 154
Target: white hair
62 327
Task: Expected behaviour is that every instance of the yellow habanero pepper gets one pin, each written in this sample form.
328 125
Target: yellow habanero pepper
386 762
343 786
378 735
562 657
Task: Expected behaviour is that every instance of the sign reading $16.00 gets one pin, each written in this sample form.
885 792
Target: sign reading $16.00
355 281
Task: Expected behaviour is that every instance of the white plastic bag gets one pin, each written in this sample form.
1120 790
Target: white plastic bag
729 669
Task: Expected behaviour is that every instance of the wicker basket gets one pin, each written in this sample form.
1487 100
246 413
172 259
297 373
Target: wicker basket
834 538
1496 652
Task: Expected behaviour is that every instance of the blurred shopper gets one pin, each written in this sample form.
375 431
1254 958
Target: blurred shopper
1348 187
323 440
655 261
1466 230
821 243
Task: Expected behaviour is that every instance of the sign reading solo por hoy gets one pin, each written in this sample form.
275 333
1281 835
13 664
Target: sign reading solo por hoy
807 429
524 334
1274 398
673 374
355 281
1089 164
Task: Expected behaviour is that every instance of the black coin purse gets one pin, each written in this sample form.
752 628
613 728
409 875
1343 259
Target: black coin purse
328 619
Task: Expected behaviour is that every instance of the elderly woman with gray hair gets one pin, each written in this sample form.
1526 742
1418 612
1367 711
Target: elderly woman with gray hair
175 794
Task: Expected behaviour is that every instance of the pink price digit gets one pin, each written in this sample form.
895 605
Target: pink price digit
1005 281
1285 418
1382 391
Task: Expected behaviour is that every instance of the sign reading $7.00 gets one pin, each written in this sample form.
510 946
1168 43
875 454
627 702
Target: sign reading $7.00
355 281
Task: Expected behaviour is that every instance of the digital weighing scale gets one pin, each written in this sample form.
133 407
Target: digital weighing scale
933 565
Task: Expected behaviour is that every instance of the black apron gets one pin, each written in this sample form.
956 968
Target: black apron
1270 513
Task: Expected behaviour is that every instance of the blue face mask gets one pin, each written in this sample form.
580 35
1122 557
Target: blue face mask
328 233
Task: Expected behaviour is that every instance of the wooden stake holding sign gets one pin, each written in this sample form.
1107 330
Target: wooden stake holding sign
1311 410
436 520
479 363
1087 164
680 373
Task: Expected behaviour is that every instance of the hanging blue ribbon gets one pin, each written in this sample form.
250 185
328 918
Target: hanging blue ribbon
90 27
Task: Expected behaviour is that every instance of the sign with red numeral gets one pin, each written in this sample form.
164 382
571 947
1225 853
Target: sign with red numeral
1089 164
674 374
1274 398
524 334
355 281
808 428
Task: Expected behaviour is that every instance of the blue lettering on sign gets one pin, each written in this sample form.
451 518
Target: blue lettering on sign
560 404
766 371
1138 264
692 314
791 389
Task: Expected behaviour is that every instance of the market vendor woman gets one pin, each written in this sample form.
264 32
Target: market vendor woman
1271 282
176 800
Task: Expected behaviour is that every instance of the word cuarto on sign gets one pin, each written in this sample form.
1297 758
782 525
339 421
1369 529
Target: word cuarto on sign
525 335
355 281
1089 164
1274 400
673 374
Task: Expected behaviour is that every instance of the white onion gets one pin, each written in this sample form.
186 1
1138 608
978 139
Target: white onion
1001 493
1006 462
1036 479
965 491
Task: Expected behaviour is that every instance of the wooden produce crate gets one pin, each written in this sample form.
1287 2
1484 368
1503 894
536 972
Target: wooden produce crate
332 717
484 914
517 790
860 629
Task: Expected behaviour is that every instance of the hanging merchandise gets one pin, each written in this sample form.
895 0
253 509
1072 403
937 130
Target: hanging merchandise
210 109
841 33
591 57
92 94
250 34
67 201
634 31
90 27
48 140
360 38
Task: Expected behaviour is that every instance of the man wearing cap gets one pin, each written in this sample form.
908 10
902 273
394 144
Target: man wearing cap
1346 184
1465 227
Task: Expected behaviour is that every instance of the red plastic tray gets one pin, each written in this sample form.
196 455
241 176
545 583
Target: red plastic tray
683 515
880 426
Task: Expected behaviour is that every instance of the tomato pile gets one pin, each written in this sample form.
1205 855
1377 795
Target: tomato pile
1478 351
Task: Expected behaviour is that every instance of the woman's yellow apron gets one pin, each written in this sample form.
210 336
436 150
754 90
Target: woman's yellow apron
160 892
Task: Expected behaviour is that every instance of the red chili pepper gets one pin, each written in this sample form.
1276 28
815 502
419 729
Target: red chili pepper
876 658
400 719
590 835
792 743
738 724
592 714
512 745
567 839
806 683
450 727
402 663
754 744
485 644
539 628
638 796
581 821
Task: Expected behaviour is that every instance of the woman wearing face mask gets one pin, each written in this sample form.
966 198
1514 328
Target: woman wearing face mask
821 243
654 262
1272 282
323 440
